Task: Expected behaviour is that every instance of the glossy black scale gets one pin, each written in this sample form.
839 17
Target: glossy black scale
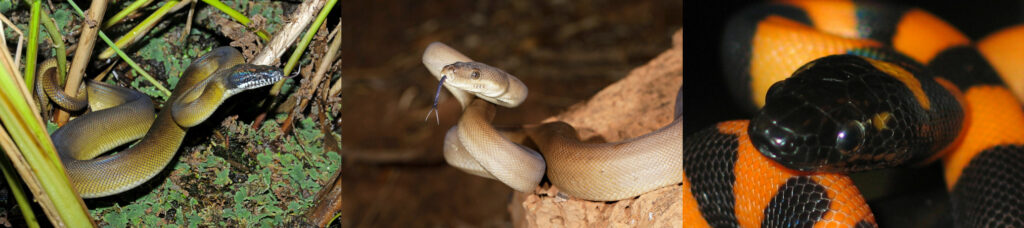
737 51
990 191
841 113
709 159
801 201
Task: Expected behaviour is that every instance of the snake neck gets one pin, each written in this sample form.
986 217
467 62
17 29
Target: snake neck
47 86
197 104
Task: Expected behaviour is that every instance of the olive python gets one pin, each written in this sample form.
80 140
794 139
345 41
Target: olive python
597 172
121 115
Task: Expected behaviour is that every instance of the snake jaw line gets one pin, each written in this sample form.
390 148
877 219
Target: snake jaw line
246 76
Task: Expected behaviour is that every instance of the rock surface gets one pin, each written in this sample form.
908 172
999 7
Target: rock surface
639 103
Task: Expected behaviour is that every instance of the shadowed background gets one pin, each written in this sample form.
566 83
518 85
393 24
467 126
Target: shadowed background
565 51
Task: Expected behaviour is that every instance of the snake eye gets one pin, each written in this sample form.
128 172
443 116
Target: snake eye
850 136
475 75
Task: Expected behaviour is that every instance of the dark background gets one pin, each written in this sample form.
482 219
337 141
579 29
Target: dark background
564 51
909 197
707 101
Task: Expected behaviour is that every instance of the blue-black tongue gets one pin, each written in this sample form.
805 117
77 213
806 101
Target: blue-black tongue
437 95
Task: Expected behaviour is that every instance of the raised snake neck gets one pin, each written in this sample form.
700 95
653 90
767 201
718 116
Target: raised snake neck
123 115
599 172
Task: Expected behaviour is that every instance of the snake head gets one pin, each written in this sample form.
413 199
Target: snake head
476 77
247 76
198 103
841 114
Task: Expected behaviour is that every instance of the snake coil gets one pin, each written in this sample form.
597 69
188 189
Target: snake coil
848 86
598 172
123 115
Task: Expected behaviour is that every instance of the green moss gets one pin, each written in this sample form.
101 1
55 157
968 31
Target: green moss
63 16
271 10
50 127
150 90
6 6
258 178
280 186
236 176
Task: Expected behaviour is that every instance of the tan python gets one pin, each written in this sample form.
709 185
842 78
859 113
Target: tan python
590 171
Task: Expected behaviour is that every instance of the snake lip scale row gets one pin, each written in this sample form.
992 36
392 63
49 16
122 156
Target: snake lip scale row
246 77
125 115
597 172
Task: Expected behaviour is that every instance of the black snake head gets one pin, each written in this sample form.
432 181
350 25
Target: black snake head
247 76
836 114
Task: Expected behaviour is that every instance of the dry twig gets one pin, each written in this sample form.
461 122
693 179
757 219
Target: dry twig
321 70
301 17
86 42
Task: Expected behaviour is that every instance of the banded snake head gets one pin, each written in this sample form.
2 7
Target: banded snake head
842 113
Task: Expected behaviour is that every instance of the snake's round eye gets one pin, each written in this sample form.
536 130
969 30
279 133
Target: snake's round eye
850 136
475 75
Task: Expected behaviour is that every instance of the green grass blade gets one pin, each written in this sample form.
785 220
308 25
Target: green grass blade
27 132
123 56
58 44
19 193
33 40
124 12
139 30
234 14
301 48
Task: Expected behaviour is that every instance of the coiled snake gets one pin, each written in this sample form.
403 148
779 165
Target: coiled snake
848 86
120 115
599 172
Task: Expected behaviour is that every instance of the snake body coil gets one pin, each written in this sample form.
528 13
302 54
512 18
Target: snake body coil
600 172
869 86
122 115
